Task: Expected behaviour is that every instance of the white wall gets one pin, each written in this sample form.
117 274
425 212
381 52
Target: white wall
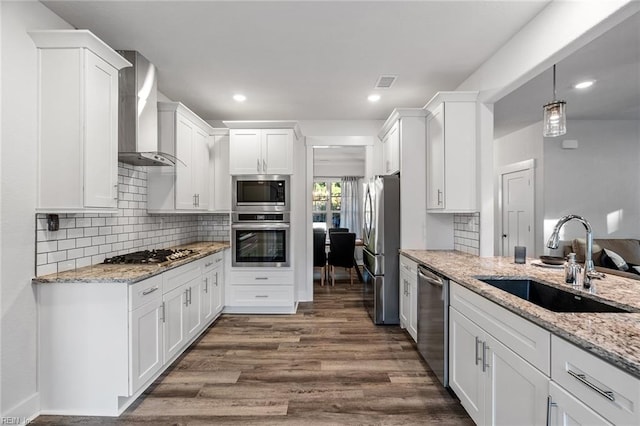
18 381
523 144
600 180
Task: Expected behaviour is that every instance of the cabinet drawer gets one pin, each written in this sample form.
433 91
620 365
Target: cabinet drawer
212 261
521 336
145 291
409 266
609 391
261 277
174 278
261 295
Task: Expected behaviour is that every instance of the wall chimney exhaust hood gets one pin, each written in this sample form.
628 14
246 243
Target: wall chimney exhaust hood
138 114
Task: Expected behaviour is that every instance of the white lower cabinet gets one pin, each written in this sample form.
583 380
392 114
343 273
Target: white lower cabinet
496 385
96 361
260 290
565 409
409 296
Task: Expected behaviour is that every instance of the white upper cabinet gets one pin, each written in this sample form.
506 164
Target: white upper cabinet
451 152
391 151
259 151
78 122
185 187
220 188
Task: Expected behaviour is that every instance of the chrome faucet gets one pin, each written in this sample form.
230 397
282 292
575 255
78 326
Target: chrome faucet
589 268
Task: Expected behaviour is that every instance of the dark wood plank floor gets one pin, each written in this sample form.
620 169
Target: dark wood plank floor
327 364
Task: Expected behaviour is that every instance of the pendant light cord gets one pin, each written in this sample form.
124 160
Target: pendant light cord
554 82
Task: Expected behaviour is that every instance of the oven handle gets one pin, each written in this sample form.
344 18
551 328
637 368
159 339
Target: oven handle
267 226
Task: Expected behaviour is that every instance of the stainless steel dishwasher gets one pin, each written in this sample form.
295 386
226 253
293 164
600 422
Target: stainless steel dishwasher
433 322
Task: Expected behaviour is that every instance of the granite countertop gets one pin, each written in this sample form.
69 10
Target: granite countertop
128 273
614 337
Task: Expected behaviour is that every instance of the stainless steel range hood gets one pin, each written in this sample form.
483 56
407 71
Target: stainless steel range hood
138 114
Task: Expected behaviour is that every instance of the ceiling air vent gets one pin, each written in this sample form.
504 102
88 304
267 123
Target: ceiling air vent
385 81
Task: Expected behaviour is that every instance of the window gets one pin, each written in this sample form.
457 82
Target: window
326 203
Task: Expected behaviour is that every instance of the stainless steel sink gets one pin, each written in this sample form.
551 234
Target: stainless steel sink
551 298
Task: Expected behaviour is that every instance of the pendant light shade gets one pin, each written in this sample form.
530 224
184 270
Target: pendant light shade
554 115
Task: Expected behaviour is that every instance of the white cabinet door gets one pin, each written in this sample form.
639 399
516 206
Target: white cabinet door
185 196
221 185
277 151
101 134
392 150
174 324
435 159
245 152
517 391
200 170
208 278
218 290
404 300
413 309
193 291
565 410
465 364
146 343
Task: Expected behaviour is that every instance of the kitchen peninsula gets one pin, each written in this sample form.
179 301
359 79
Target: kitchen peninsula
574 359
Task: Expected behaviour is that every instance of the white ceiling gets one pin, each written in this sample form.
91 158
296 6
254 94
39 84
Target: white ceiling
612 60
304 59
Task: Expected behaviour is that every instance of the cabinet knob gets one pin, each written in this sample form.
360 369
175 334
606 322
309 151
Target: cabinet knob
504 235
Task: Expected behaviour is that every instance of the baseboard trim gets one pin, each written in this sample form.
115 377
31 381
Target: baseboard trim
25 411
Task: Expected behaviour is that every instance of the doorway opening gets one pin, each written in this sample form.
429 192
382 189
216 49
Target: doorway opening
516 197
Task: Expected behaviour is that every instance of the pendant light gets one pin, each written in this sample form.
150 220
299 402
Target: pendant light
554 114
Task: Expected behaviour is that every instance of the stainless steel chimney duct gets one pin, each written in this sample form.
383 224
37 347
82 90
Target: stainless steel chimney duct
138 114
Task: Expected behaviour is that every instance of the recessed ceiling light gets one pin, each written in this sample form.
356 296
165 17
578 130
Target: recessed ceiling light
373 98
584 84
239 98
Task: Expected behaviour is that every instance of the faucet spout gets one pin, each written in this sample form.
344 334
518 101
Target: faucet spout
554 240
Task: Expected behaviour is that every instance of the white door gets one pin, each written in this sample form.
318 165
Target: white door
174 323
146 344
518 391
245 156
100 134
277 151
185 131
465 364
517 211
435 159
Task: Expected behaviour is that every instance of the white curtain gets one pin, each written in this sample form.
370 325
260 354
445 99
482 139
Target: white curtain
350 214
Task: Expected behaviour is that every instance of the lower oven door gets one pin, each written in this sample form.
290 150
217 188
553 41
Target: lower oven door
260 244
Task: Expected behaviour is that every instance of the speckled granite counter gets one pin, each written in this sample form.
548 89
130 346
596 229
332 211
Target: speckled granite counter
128 273
614 337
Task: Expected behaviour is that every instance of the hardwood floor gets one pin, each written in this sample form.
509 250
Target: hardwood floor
327 364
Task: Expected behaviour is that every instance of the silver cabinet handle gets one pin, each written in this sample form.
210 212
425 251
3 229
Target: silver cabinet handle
163 313
439 197
262 278
218 260
186 297
477 355
583 379
485 364
216 283
258 160
550 405
115 197
206 285
261 296
149 290
206 265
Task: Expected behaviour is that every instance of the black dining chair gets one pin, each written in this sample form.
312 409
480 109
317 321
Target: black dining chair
319 252
341 250
332 230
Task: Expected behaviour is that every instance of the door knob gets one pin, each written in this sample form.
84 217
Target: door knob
504 235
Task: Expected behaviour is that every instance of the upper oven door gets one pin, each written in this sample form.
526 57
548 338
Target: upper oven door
261 193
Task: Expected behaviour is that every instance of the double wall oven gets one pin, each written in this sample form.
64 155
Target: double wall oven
260 221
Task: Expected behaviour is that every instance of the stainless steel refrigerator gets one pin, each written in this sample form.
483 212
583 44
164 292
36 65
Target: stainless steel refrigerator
381 238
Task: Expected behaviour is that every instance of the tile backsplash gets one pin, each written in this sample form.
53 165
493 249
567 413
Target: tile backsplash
88 238
466 233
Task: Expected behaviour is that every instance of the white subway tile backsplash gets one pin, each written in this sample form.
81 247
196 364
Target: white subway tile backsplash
466 233
86 239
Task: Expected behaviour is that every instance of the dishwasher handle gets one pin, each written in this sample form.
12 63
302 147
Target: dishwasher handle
429 277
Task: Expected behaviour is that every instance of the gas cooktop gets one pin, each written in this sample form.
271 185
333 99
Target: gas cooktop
150 256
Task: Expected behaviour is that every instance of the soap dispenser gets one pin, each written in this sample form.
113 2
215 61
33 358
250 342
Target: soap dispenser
570 269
